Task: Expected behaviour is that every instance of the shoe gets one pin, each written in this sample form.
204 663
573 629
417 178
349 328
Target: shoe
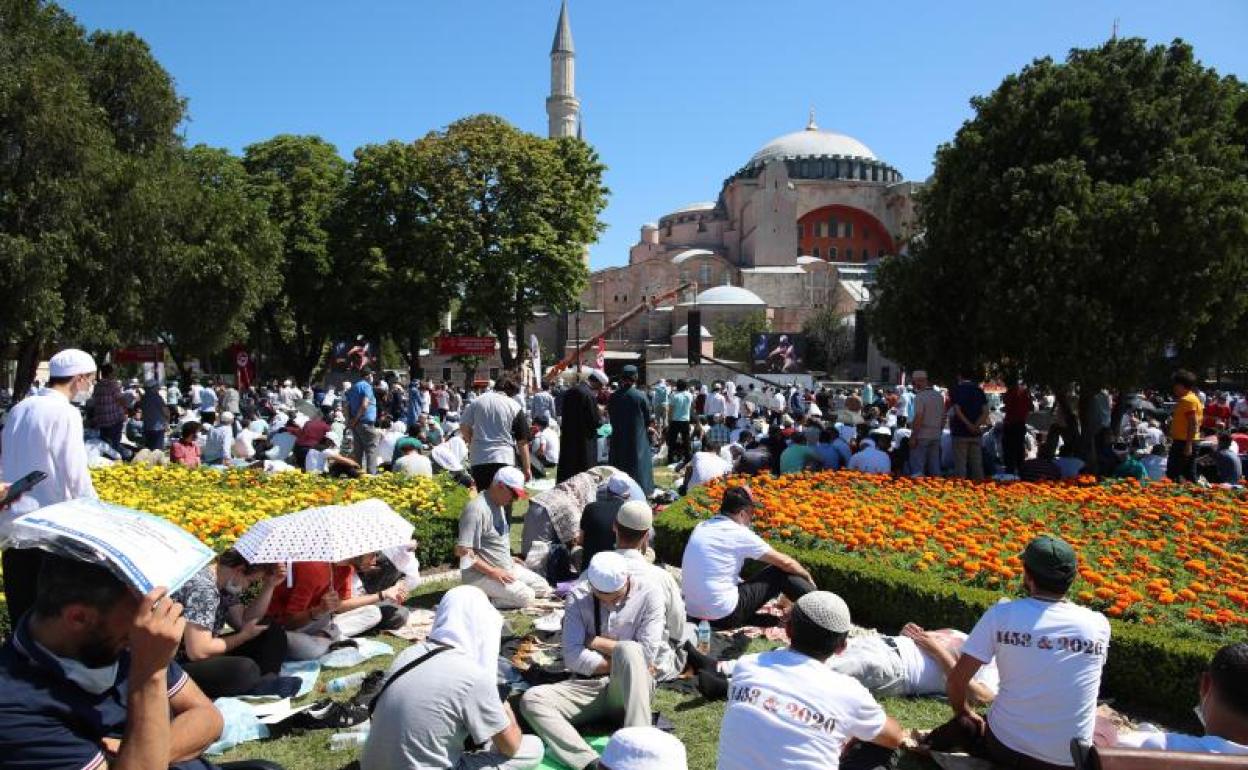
370 687
698 660
322 715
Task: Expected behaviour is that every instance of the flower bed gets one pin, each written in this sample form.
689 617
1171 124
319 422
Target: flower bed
1165 562
219 506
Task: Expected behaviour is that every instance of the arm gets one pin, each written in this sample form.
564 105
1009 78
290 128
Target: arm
579 657
259 606
196 722
786 563
959 686
507 742
890 735
154 638
941 652
201 644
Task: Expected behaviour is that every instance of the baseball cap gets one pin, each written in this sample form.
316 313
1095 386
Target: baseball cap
617 485
644 748
70 362
826 610
608 572
1051 558
511 477
735 499
635 515
407 441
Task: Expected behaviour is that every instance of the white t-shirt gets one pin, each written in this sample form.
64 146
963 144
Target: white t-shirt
1049 655
1158 741
450 454
924 675
386 444
705 467
789 710
317 460
711 567
547 445
414 464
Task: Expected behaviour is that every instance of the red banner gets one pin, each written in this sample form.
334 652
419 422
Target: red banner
466 346
140 354
600 362
244 366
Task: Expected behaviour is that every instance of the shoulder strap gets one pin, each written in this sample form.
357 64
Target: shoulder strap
597 617
440 648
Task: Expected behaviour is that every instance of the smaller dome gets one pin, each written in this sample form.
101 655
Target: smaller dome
689 254
699 206
650 226
727 295
684 332
808 260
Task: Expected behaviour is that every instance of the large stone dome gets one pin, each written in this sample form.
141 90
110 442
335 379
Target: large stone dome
727 295
812 142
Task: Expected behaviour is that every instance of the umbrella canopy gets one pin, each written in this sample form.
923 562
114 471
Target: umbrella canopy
307 408
332 533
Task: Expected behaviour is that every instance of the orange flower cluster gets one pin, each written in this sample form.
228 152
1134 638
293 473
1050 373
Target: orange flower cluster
1157 553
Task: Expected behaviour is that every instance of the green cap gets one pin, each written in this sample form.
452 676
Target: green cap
1051 558
402 444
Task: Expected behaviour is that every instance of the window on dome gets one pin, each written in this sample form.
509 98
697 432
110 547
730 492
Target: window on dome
875 173
849 229
831 227
804 169
831 253
704 274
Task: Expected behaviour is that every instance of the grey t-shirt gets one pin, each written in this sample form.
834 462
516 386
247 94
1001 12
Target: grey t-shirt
424 717
491 418
479 530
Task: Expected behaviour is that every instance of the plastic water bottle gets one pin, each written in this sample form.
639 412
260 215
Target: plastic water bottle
344 741
344 683
704 637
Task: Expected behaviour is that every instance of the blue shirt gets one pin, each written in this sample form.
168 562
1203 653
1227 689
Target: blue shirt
833 456
49 723
682 405
355 398
970 397
415 404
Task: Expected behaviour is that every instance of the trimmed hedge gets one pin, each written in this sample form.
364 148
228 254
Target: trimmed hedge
1150 671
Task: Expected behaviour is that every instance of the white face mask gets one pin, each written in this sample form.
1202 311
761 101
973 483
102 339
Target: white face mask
1200 713
96 681
234 587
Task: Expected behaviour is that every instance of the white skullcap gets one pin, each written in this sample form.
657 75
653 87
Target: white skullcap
826 610
608 572
69 362
226 418
644 748
599 376
618 486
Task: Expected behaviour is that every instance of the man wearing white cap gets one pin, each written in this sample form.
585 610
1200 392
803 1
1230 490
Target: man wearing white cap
633 523
787 709
484 545
578 428
643 748
44 433
613 630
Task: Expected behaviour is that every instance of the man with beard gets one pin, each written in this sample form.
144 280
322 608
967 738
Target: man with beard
629 411
578 450
87 679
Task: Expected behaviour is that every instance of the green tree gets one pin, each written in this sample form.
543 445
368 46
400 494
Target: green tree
733 339
525 210
829 340
302 179
1090 214
85 122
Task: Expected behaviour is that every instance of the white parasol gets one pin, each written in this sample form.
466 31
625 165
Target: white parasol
332 533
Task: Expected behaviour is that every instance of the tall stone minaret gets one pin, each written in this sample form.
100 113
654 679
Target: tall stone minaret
563 109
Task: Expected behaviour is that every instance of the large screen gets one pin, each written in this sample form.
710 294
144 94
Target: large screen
778 353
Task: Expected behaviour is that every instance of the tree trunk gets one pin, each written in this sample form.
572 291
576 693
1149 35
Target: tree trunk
413 355
504 350
178 358
27 366
1088 431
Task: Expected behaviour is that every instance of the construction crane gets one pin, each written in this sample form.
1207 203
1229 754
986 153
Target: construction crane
647 304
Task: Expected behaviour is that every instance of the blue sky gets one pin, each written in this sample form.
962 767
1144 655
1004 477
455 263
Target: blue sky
677 94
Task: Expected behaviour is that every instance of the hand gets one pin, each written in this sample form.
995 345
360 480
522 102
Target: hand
528 474
395 594
504 577
276 576
975 719
921 638
252 628
4 490
155 634
329 603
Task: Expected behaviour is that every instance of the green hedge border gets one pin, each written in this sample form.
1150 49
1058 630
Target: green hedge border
1149 672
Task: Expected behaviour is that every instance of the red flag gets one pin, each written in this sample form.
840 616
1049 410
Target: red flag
600 363
244 367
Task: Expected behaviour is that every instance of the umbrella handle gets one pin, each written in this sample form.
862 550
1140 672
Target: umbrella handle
290 575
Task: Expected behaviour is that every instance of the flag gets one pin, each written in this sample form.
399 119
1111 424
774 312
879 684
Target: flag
244 367
600 363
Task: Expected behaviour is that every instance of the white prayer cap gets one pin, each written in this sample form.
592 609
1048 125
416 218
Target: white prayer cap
226 418
69 362
826 610
598 376
608 572
644 748
618 486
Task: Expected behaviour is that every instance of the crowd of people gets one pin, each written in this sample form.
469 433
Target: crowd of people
93 675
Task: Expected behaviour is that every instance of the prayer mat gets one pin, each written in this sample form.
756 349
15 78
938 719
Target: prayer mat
550 763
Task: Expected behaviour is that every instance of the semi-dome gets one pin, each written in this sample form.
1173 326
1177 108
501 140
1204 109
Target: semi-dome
811 142
684 332
689 254
699 206
727 295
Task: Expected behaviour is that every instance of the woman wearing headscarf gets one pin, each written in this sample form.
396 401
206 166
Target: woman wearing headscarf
444 690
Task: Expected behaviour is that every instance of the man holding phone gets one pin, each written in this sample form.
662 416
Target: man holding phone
44 433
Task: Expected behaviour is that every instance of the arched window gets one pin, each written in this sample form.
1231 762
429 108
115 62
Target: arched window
704 274
849 229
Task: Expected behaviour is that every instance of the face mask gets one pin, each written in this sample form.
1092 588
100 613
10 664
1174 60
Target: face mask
234 588
96 681
1200 713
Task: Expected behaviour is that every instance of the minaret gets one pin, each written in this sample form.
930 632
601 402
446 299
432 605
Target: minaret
562 107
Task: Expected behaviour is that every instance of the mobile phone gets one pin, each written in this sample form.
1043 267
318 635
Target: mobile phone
22 486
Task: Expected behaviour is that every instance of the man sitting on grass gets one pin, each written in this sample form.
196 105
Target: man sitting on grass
484 545
717 550
1049 652
788 709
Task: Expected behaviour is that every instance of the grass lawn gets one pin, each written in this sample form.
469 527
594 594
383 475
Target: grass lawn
697 721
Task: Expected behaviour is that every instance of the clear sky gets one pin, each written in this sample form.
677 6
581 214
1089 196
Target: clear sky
676 94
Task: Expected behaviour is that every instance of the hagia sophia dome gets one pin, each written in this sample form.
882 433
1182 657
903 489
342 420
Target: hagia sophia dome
812 143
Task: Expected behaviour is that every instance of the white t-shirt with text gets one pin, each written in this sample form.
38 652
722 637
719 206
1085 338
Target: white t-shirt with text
791 711
1049 655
